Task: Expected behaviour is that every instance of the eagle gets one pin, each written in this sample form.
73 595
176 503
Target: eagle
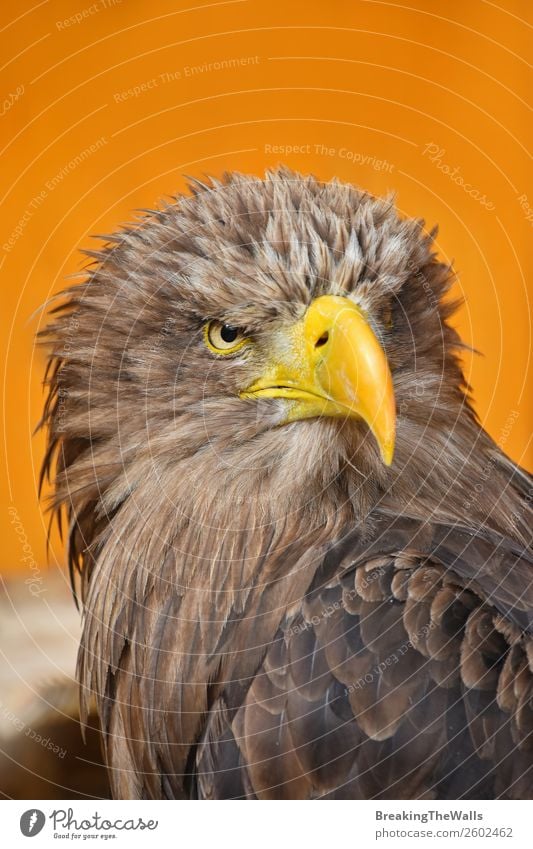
305 569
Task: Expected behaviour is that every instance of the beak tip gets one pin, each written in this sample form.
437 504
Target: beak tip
387 453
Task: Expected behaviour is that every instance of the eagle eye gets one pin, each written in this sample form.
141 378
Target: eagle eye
223 338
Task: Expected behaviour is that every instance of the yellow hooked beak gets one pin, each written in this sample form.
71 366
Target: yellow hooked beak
329 363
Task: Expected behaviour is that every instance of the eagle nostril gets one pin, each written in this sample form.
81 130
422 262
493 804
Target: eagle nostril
322 340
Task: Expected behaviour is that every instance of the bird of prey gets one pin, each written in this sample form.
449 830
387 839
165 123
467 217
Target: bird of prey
306 570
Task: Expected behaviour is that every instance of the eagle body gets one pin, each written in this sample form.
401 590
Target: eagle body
306 570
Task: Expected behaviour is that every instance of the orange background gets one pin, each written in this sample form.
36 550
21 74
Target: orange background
376 79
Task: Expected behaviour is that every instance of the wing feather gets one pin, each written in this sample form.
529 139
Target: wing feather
407 672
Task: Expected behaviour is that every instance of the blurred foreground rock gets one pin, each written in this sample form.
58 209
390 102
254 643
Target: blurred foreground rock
42 753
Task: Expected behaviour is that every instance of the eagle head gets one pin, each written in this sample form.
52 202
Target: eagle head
277 335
